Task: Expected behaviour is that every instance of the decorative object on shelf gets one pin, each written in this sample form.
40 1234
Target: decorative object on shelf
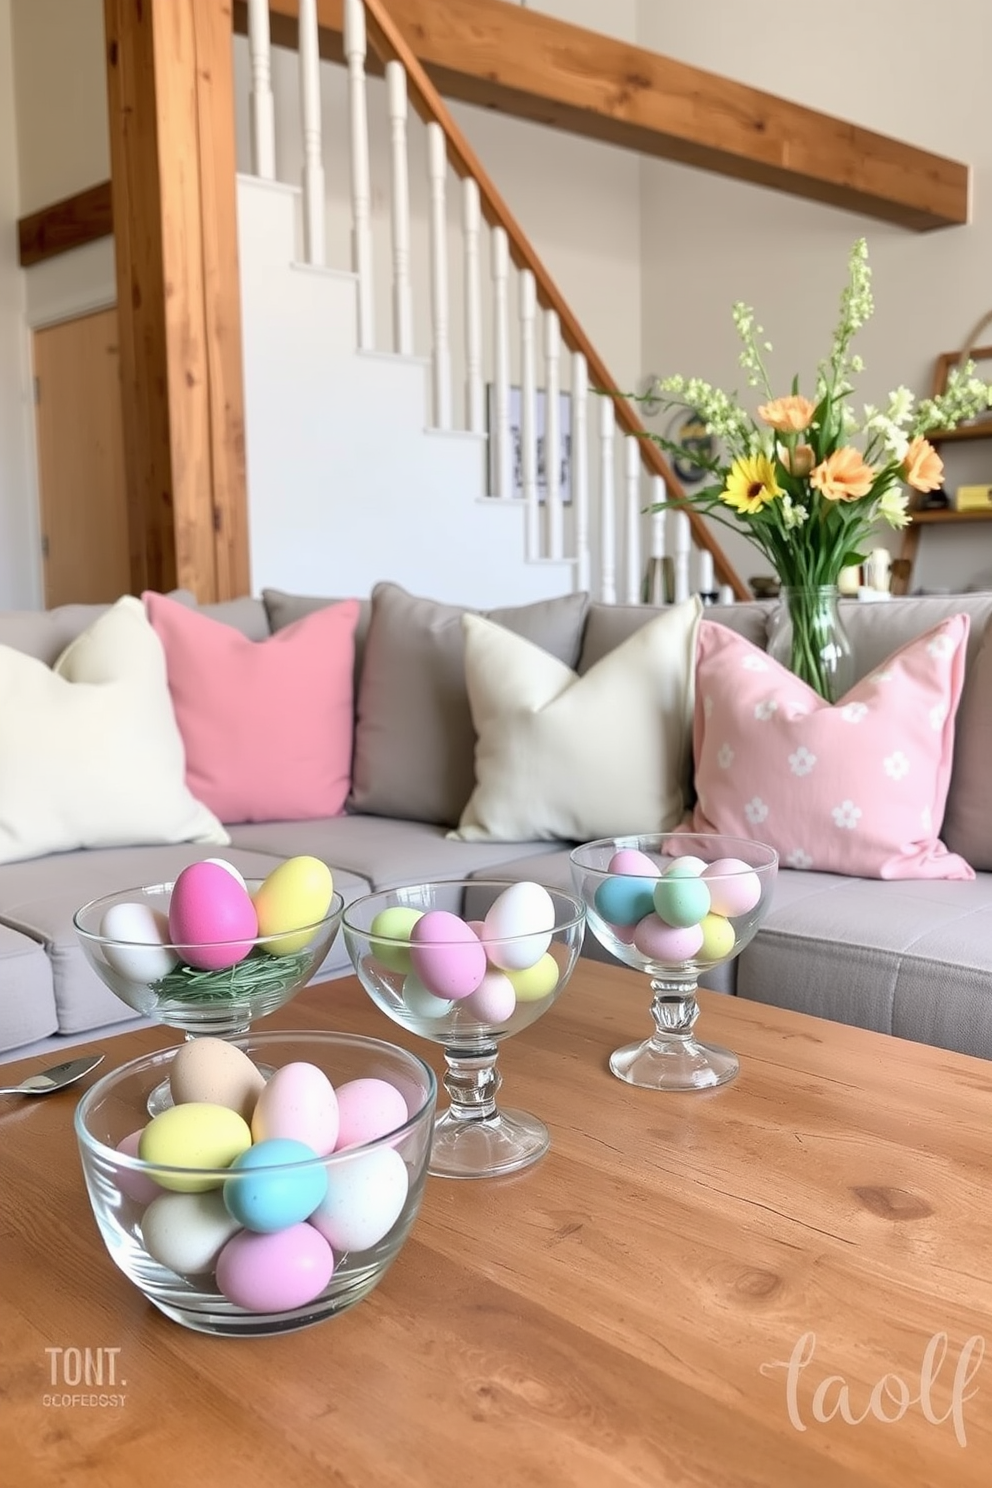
213 951
467 964
674 905
795 482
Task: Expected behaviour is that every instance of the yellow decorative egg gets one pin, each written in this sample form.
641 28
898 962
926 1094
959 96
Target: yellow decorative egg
296 894
394 925
537 981
718 938
194 1135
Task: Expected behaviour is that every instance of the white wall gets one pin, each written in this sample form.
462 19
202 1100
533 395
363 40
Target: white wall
894 66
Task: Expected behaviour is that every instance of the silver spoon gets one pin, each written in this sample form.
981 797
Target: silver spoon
56 1078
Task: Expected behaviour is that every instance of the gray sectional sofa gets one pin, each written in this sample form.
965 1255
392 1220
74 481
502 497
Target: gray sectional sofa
913 958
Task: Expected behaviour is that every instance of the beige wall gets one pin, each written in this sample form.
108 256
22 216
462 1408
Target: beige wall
895 66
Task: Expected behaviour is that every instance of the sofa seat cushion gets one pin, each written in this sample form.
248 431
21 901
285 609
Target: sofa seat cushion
385 852
39 899
27 999
911 958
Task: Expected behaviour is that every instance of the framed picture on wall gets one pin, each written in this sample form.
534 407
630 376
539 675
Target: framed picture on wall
516 443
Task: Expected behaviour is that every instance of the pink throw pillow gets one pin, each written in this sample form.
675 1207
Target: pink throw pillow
267 725
856 788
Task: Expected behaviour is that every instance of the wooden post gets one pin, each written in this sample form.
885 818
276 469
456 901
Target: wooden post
171 95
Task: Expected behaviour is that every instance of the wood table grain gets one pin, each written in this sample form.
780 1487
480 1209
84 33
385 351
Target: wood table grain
780 1284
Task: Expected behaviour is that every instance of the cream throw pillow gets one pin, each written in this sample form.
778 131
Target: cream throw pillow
90 753
561 756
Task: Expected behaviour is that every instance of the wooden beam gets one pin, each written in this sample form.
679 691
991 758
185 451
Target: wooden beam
171 94
65 224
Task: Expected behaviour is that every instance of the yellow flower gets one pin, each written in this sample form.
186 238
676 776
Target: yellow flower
799 461
922 467
751 484
788 415
843 476
893 508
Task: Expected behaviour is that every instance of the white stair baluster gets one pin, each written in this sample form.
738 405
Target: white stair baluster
580 469
260 103
655 586
361 187
632 518
475 413
727 595
400 209
313 169
607 506
552 434
705 582
682 533
528 412
502 460
437 168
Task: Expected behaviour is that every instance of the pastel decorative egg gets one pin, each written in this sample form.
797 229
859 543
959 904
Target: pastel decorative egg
368 1109
277 1194
518 925
686 866
235 873
681 900
215 1071
296 894
364 1199
194 1135
446 955
298 1102
670 944
187 1231
275 1272
146 958
209 905
631 860
137 1186
537 981
494 1000
625 900
718 937
421 1003
393 925
737 894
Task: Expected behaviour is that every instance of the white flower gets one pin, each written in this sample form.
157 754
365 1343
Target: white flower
756 811
940 645
900 405
846 815
896 765
799 859
792 515
725 757
802 761
937 715
754 663
765 709
853 712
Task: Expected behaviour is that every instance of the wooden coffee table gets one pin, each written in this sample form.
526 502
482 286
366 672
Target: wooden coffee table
689 1289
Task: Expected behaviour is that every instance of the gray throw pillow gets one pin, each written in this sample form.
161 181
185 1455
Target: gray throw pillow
414 739
284 609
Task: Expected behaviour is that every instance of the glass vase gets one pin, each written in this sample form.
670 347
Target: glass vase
808 637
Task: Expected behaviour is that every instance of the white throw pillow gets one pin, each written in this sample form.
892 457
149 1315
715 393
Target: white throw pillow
561 756
90 753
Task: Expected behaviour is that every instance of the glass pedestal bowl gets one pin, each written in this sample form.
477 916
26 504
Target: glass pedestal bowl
159 981
674 905
490 960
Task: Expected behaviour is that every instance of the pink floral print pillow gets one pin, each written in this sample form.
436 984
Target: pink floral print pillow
857 787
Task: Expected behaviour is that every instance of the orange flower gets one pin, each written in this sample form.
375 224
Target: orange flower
843 476
788 415
923 469
799 461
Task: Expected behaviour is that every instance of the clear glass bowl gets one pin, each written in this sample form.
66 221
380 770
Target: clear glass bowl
421 984
702 915
384 1178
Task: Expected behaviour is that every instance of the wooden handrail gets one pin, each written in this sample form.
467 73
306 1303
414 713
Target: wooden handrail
391 46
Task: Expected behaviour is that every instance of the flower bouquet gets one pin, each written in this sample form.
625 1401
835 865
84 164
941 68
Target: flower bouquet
808 480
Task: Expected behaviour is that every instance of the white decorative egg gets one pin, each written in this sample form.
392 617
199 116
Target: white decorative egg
144 955
517 929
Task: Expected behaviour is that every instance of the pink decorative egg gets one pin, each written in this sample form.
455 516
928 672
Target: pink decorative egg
734 895
137 1186
632 860
667 943
368 1109
275 1272
298 1102
494 1000
211 917
447 956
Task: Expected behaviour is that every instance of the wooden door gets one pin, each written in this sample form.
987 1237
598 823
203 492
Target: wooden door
81 460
